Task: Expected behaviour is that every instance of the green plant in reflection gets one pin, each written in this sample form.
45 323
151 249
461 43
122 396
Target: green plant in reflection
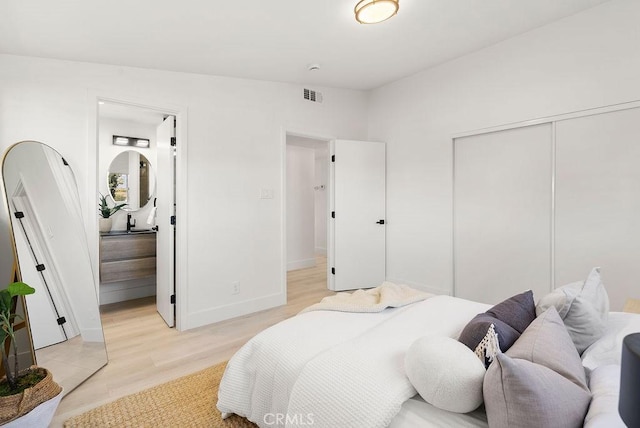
8 319
105 210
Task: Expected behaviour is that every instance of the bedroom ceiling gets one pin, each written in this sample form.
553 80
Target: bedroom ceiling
275 40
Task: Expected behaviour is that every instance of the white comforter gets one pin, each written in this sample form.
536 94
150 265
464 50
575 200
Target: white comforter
330 369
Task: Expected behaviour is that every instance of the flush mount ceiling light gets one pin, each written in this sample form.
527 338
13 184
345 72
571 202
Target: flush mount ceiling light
374 11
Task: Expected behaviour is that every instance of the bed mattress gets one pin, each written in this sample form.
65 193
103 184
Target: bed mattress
347 369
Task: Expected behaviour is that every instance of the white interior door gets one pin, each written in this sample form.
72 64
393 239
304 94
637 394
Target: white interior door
165 203
357 206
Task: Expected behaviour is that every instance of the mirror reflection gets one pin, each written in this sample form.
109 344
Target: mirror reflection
53 258
131 180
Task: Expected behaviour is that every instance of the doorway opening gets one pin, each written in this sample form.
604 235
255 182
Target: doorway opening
307 219
136 153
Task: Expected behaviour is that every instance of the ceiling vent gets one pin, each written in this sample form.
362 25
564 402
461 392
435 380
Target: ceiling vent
314 96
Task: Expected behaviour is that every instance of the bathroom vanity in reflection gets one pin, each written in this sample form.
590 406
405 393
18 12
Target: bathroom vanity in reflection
127 265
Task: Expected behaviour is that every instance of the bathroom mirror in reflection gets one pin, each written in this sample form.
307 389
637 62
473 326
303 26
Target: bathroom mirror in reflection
131 180
53 258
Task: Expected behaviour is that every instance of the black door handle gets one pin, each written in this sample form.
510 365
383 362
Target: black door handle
380 222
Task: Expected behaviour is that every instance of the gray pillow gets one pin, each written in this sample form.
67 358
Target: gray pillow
519 393
584 308
540 381
503 323
547 342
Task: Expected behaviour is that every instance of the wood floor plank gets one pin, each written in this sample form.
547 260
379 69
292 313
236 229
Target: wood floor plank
144 352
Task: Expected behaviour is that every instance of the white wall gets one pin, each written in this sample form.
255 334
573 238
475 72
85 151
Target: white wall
300 207
235 133
588 60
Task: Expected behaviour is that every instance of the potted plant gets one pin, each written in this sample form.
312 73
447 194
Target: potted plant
106 212
22 391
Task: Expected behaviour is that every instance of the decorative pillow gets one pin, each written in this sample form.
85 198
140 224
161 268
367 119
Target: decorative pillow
547 342
584 308
497 329
519 393
518 311
445 373
605 387
540 380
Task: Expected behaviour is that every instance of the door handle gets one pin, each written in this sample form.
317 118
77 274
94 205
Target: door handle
380 222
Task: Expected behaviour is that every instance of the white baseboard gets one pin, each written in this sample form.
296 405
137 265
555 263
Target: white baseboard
301 264
221 313
422 287
321 251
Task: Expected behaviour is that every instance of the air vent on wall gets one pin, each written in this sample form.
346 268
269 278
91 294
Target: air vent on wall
314 96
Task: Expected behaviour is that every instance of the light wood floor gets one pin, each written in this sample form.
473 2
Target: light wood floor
144 352
632 305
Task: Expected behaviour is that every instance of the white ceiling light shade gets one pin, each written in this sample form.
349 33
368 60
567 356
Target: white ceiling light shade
374 11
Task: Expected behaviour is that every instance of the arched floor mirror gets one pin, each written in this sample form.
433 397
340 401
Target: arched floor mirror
53 257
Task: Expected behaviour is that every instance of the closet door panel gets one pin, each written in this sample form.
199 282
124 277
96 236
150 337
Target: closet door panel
598 201
502 213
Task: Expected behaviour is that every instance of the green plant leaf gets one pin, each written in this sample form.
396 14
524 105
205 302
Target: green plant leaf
20 289
106 211
6 329
5 301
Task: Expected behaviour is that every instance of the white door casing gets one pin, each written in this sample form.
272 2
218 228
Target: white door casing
165 236
357 252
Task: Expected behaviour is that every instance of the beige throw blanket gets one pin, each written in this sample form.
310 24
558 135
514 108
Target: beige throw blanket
387 295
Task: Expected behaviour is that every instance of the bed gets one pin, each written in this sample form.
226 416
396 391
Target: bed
344 369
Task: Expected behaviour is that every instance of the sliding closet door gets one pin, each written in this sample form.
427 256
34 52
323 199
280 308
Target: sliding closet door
502 213
598 201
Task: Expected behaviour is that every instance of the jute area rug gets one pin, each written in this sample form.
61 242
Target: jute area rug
189 401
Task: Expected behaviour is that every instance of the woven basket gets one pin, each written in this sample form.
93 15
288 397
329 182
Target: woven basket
14 406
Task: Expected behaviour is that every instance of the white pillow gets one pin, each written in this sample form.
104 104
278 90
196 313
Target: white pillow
584 308
605 390
446 373
608 349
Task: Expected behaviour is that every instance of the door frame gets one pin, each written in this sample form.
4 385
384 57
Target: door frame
91 217
283 191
